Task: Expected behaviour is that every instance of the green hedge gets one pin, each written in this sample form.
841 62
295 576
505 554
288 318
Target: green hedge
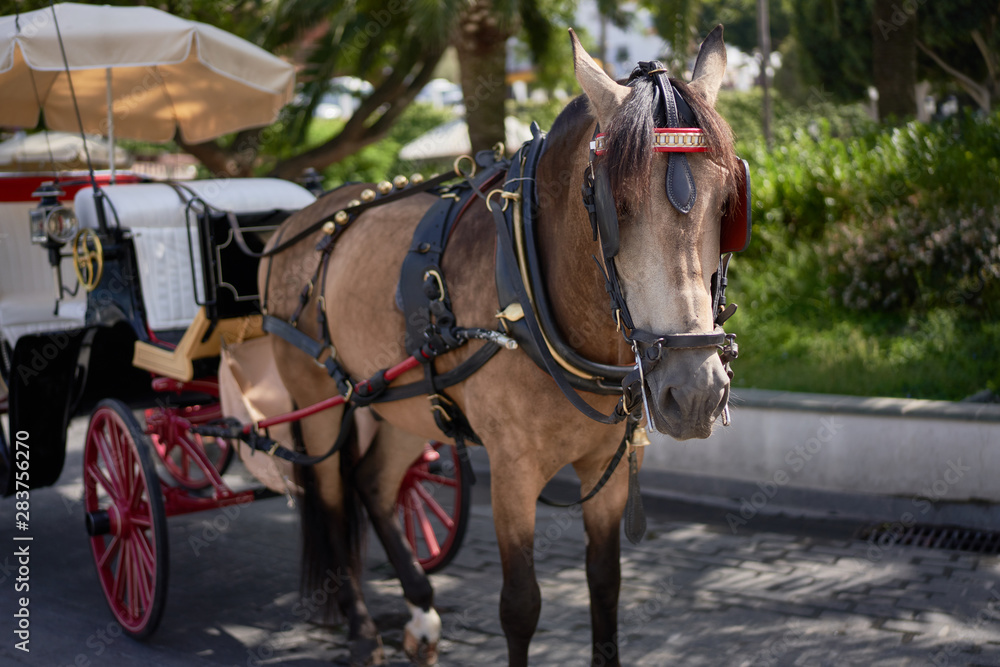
874 267
898 218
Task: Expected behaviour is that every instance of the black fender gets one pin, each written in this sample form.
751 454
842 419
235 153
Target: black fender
6 467
58 375
43 378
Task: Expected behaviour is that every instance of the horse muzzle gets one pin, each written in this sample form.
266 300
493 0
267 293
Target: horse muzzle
685 392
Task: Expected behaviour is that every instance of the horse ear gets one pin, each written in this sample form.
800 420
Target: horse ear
605 94
710 66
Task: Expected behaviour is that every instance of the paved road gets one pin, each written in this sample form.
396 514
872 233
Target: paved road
694 593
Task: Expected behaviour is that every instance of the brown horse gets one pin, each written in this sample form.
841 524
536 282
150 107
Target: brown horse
665 266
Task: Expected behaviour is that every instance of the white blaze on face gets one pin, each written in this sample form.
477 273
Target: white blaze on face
424 625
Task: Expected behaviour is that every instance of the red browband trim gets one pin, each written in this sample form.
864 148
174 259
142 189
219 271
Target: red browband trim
666 140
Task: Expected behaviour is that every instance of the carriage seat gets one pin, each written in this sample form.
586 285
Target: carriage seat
156 214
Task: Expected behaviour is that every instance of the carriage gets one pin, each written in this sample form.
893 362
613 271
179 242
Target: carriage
165 286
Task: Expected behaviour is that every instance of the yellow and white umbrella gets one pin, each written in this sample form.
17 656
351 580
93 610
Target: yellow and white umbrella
137 72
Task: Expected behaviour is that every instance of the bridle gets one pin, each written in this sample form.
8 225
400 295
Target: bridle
680 136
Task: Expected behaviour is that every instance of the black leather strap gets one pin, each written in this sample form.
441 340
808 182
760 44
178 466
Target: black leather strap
680 186
424 259
604 378
619 453
354 211
507 255
283 329
444 380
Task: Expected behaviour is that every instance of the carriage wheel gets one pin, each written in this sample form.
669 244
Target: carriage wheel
163 422
125 517
433 505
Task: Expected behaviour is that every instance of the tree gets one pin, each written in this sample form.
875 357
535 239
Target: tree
969 52
894 57
394 45
848 45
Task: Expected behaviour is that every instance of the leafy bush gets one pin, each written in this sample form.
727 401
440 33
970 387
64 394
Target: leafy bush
919 258
742 109
899 217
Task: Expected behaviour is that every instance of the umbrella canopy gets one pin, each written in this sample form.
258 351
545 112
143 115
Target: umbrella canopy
164 73
56 151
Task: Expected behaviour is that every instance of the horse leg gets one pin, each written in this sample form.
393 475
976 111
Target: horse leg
378 476
602 516
514 490
331 517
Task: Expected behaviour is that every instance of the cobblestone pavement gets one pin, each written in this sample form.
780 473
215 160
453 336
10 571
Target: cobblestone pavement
693 593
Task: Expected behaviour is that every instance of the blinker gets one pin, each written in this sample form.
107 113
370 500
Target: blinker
606 211
735 234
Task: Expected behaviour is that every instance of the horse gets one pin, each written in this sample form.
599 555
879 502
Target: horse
664 263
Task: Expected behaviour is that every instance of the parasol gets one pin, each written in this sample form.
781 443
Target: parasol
137 72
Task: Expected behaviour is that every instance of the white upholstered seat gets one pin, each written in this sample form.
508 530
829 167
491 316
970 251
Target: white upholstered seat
156 215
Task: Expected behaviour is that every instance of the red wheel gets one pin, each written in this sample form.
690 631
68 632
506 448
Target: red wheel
125 517
433 505
169 431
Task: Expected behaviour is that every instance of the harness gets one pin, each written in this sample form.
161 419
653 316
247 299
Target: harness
525 315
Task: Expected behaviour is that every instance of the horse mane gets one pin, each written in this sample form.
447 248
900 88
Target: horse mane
629 141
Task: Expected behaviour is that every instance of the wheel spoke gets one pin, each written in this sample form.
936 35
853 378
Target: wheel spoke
185 464
133 576
425 527
116 590
109 551
141 520
118 454
109 462
97 475
436 508
136 491
145 550
411 534
435 479
143 571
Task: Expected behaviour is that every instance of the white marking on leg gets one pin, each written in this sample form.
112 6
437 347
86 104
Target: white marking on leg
424 625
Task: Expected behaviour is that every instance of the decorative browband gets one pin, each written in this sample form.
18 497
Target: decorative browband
666 140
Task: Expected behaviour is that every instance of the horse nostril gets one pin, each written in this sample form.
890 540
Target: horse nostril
669 407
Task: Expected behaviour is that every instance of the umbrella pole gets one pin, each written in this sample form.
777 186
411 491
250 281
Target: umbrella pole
111 126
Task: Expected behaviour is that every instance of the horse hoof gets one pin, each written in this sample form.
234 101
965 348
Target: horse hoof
419 650
366 652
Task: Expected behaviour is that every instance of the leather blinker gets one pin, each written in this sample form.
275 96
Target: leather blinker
736 223
606 211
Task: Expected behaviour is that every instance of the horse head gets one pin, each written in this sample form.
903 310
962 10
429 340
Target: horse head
659 215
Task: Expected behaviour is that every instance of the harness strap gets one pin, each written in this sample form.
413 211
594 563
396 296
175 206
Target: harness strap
312 347
446 379
231 428
612 465
507 255
357 210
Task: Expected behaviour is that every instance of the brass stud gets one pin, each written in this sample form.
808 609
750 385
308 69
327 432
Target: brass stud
340 217
353 203
400 182
417 178
330 227
367 195
384 187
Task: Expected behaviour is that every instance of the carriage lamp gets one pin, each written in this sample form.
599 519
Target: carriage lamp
53 226
51 222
